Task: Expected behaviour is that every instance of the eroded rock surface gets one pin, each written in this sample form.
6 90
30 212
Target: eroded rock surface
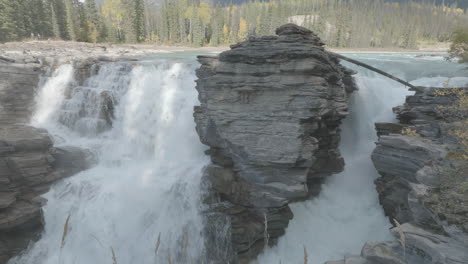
29 163
421 183
270 112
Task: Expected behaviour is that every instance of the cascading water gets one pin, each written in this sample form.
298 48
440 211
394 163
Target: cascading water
137 120
347 213
146 180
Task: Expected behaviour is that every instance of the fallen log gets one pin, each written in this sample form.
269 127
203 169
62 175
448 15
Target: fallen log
367 66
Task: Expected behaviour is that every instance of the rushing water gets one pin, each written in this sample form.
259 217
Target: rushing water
149 161
347 213
148 169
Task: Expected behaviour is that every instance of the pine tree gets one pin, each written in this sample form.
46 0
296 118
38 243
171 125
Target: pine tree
41 14
83 26
54 21
70 25
7 26
217 24
18 17
196 25
139 22
94 21
92 12
60 11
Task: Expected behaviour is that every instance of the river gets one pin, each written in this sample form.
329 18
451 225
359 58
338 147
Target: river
141 201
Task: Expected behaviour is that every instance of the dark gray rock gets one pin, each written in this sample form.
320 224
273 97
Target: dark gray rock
419 184
17 89
414 168
388 128
383 253
270 111
29 163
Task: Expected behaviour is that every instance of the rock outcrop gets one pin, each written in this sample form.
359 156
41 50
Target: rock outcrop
414 163
18 80
29 163
270 112
422 187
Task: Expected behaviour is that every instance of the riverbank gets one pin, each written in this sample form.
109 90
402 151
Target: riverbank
70 49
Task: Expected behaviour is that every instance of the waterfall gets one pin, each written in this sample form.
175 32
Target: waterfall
51 95
149 161
347 213
136 119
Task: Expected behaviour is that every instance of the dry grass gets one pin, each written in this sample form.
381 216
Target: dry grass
158 243
409 132
65 232
402 238
169 259
306 257
114 258
457 114
64 236
185 246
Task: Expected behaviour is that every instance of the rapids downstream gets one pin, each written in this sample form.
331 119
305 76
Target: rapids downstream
145 182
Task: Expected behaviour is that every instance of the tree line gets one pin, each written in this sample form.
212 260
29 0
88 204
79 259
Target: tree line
116 21
340 23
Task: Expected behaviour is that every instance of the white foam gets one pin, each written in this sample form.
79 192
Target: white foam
147 180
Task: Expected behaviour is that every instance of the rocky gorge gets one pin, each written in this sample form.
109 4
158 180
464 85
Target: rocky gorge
29 162
422 184
270 111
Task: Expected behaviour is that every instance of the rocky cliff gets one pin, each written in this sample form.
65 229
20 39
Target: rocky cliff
29 163
270 112
423 182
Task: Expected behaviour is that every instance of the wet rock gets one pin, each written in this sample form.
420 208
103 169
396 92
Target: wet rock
28 166
388 128
401 160
383 253
28 162
415 169
107 108
420 184
71 159
270 112
432 247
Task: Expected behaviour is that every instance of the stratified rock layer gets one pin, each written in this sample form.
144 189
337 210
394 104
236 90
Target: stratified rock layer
270 112
421 187
29 163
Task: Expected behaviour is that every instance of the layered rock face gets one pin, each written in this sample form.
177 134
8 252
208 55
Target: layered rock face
270 112
421 186
29 163
18 80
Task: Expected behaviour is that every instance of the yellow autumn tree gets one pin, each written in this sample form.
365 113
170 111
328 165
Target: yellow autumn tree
93 33
204 11
243 29
113 11
225 33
